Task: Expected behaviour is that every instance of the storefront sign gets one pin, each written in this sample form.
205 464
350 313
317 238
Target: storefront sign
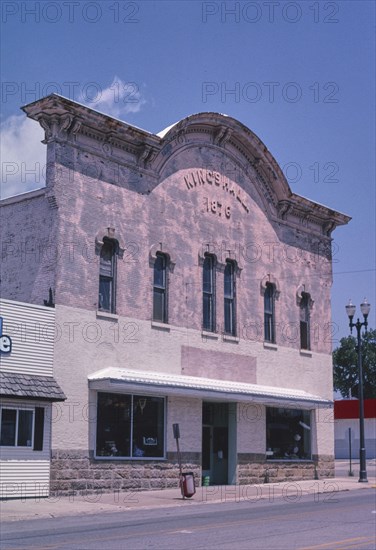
5 341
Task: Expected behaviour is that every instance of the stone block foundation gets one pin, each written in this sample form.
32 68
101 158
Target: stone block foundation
253 469
76 472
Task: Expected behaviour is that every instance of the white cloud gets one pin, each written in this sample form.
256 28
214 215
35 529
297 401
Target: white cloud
23 156
119 99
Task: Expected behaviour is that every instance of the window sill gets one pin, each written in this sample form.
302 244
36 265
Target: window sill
306 352
129 458
230 338
289 460
208 334
18 447
270 345
163 326
107 315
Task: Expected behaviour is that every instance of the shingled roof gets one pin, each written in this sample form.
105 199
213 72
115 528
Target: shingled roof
29 386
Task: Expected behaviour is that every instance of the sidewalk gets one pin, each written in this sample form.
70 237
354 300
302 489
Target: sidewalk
34 508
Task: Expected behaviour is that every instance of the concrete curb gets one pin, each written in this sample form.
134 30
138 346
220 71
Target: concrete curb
290 491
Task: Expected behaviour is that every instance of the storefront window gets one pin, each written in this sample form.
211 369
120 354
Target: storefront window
148 426
130 426
288 434
113 424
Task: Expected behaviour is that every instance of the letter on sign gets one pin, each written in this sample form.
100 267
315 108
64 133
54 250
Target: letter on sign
5 341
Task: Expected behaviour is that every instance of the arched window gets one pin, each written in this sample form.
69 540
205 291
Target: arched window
269 320
208 290
305 340
229 298
160 289
107 275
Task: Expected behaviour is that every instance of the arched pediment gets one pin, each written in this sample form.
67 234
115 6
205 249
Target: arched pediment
235 141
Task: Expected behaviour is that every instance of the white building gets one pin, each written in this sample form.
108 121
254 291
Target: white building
346 428
27 391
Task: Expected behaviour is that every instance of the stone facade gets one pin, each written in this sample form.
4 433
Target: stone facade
206 186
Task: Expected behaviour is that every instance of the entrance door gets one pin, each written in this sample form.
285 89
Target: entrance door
215 443
220 455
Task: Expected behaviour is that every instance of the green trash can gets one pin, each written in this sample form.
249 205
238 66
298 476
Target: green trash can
206 481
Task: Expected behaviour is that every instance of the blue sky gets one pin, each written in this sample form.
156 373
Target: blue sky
301 75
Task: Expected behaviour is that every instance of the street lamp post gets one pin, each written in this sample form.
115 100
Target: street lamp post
350 310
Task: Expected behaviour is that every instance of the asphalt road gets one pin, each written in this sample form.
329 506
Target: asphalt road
342 520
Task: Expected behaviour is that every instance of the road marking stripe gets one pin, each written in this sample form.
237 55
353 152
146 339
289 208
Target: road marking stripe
336 542
358 545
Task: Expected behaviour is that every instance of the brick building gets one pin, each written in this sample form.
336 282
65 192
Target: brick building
190 286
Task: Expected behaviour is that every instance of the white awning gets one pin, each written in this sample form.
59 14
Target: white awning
157 383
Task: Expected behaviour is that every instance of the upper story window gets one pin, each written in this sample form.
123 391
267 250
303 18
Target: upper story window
229 299
208 291
107 276
269 320
305 340
160 289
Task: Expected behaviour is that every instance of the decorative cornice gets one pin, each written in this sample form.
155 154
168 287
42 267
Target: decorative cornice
283 209
304 213
58 126
222 136
126 145
45 122
147 154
